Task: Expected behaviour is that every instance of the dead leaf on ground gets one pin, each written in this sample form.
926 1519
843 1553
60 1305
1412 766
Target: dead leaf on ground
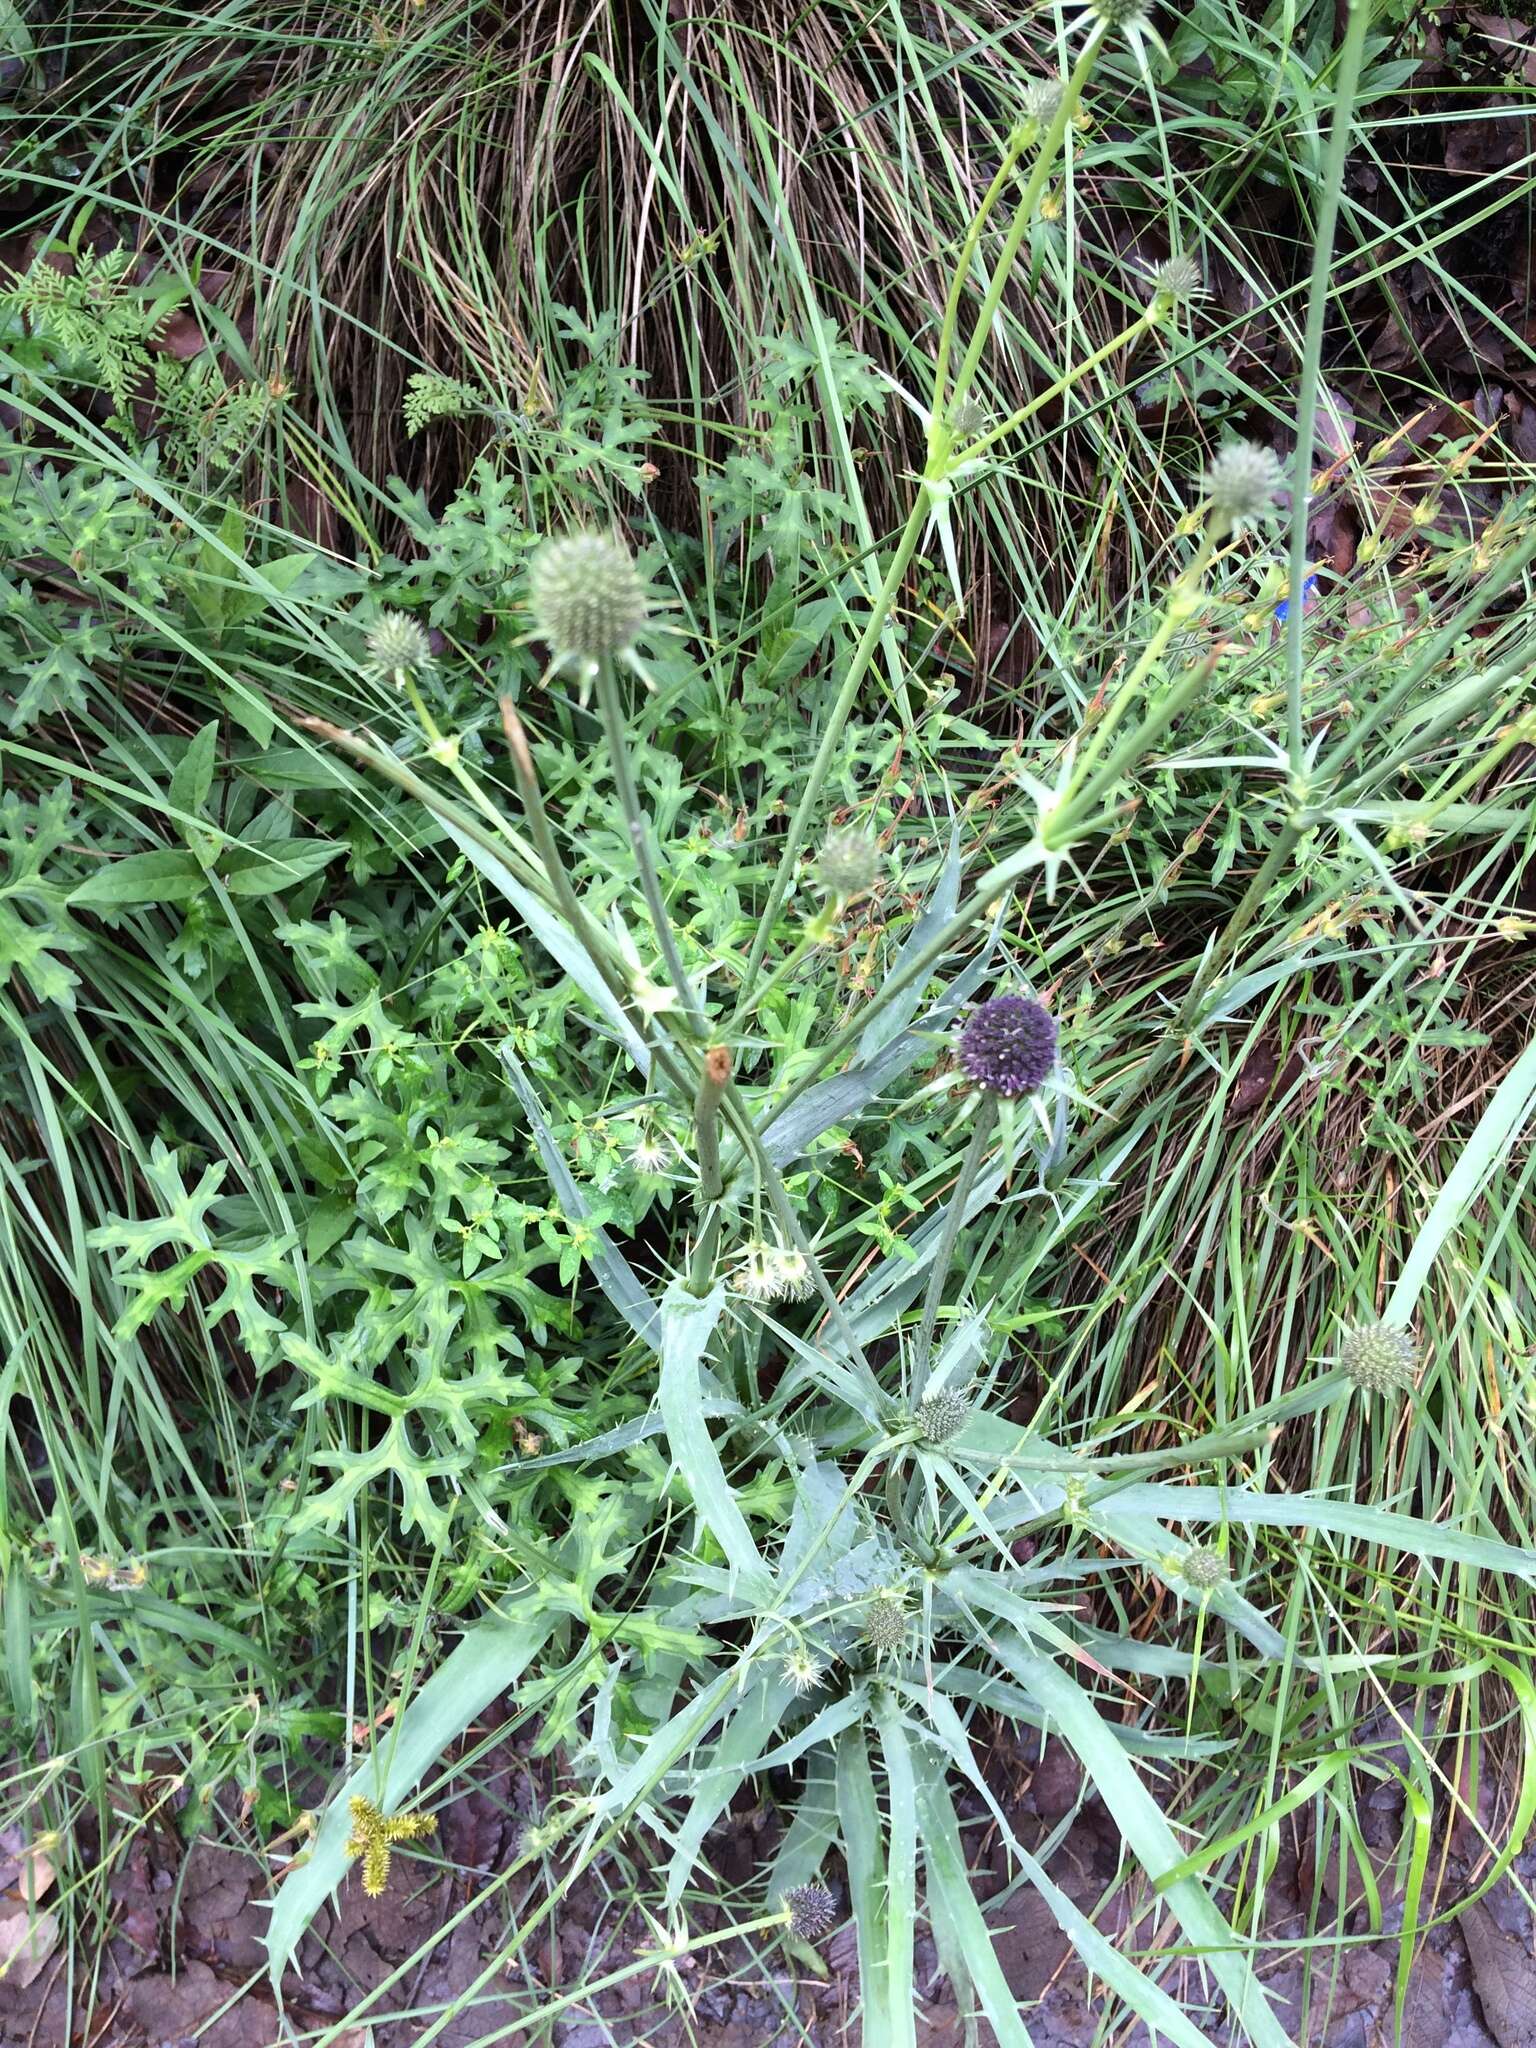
27 1940
1504 1972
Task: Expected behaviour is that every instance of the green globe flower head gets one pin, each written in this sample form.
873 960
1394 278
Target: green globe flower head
588 599
1381 1358
968 419
1177 281
943 1414
1041 101
398 647
849 863
1241 484
1205 1569
885 1624
1119 14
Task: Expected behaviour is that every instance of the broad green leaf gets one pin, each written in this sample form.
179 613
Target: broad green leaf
949 1887
900 1874
718 1781
279 864
1146 1832
1217 1504
166 876
858 1820
193 777
892 1018
687 1324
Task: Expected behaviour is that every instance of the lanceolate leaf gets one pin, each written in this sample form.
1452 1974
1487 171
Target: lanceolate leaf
1147 1834
687 1324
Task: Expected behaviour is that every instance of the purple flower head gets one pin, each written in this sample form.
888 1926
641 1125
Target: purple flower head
1009 1045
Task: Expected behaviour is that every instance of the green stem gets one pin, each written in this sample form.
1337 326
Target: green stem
713 1083
1057 390
821 766
1347 85
640 840
1024 213
1068 821
954 1221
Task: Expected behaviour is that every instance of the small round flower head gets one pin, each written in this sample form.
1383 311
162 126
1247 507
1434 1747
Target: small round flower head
968 419
802 1671
1041 102
398 647
1177 281
757 1272
885 1624
812 1911
770 1272
1119 14
1381 1358
1204 1568
795 1282
588 599
943 1414
1008 1045
849 863
648 1154
1242 484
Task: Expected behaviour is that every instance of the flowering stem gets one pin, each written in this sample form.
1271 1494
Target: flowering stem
1067 821
1063 384
1024 214
640 840
810 797
569 903
1332 185
713 1083
954 1220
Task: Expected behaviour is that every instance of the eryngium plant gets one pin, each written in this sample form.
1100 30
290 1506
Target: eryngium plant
842 1580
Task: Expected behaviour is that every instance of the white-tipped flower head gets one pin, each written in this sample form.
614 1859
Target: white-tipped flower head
812 1911
648 1154
1241 485
1177 281
588 599
849 863
1041 102
802 1671
943 1414
885 1624
1205 1569
1119 14
772 1272
795 1281
397 648
1381 1358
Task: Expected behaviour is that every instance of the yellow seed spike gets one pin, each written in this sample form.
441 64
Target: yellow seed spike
408 1827
375 1867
